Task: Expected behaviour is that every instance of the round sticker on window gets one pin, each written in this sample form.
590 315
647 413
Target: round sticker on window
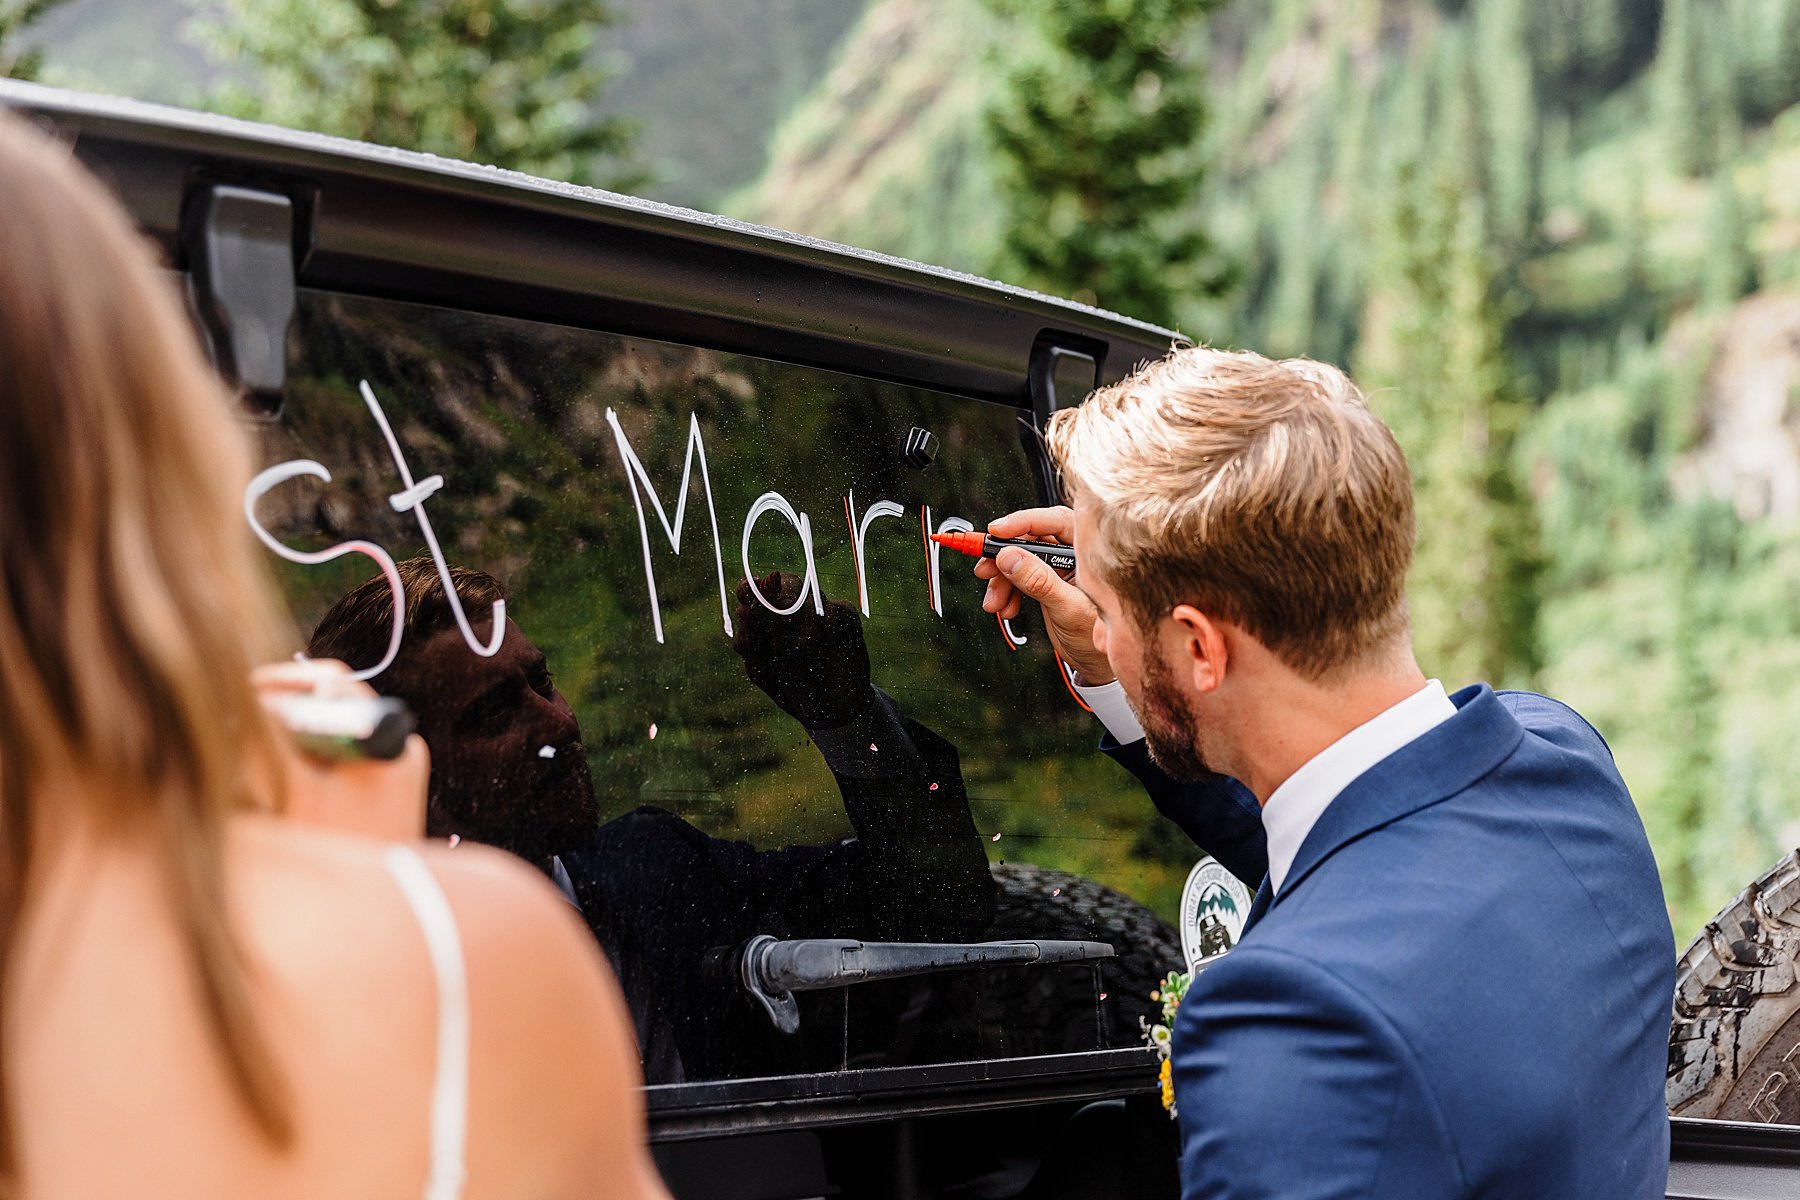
1214 906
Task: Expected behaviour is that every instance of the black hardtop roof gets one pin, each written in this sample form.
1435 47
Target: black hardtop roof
384 221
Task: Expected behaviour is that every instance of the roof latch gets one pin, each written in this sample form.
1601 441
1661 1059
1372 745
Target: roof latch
240 247
1060 375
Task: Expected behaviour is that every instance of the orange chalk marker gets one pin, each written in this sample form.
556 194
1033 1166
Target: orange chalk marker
980 545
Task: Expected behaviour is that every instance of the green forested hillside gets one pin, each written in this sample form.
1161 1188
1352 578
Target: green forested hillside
702 82
1560 243
889 151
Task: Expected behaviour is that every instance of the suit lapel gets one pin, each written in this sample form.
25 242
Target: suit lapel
1431 768
1258 906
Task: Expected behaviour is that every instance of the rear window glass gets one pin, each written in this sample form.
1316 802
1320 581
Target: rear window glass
709 778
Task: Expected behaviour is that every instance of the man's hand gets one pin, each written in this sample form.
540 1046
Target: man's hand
378 799
816 668
1069 615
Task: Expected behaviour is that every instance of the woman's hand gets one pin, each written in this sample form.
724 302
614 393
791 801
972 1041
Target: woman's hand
376 798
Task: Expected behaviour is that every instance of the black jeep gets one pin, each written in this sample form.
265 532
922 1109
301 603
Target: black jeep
878 908
835 826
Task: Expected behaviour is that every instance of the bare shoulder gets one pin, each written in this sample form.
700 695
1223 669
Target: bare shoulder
511 922
560 1086
504 909
493 881
554 1070
529 953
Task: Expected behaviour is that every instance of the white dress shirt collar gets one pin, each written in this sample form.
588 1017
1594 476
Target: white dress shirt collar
1295 806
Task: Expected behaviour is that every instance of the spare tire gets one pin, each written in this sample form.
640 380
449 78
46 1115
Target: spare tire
1734 1045
1041 902
1012 1012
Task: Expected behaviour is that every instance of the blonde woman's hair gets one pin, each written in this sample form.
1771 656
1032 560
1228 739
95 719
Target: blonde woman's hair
1264 493
133 601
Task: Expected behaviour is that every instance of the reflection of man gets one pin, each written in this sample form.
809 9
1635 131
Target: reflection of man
508 769
1455 979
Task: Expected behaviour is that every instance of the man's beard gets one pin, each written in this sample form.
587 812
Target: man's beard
532 818
1171 729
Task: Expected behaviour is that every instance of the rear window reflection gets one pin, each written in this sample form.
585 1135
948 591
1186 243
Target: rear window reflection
674 634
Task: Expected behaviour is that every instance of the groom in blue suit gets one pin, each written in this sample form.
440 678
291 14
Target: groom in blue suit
1457 973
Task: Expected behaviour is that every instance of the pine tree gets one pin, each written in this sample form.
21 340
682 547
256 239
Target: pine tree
1512 133
1634 239
1687 99
18 61
1097 127
1293 302
1763 56
1584 48
1729 271
1787 55
1434 359
1691 713
510 83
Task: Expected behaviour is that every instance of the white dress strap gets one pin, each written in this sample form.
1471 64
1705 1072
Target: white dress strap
450 1089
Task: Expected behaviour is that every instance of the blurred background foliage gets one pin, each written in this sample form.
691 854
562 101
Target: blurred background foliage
1559 243
512 85
20 57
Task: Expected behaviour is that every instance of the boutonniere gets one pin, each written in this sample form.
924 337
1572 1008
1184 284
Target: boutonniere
1215 904
1168 993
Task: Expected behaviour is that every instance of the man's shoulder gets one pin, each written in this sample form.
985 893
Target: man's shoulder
646 822
1554 721
1276 972
632 851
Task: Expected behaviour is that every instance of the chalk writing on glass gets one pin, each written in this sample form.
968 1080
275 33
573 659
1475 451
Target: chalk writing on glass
932 550
414 494
859 533
776 502
279 474
635 473
413 499
925 540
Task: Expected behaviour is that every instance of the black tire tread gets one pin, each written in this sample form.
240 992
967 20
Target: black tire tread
1043 902
1735 988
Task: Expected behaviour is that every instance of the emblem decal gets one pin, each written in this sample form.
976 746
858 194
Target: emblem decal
1214 907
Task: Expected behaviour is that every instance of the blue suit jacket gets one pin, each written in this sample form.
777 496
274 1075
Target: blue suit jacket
1463 988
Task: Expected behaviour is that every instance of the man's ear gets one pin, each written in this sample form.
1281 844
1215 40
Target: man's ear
1201 646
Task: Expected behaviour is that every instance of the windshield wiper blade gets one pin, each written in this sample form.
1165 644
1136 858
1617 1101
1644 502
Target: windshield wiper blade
771 971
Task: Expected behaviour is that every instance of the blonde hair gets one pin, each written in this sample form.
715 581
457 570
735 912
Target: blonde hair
133 601
1263 493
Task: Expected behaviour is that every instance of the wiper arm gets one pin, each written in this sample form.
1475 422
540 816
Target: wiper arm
772 971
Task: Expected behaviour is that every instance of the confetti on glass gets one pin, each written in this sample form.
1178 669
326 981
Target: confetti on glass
934 787
546 751
454 839
996 837
653 731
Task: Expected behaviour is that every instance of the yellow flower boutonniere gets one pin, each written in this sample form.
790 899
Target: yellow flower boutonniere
1169 993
